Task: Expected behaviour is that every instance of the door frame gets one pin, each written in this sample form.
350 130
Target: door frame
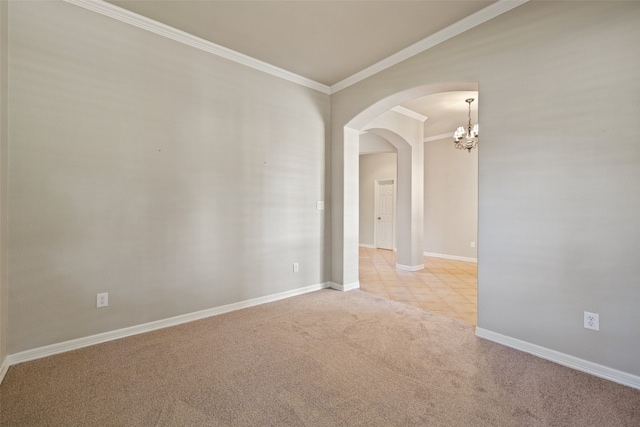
376 187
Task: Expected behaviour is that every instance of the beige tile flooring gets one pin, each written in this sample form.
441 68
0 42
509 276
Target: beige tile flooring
444 286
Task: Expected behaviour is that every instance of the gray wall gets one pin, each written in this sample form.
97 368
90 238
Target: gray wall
173 179
380 166
450 199
558 200
4 290
179 181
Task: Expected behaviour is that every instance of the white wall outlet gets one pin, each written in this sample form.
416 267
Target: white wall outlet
473 244
592 321
102 300
320 205
296 267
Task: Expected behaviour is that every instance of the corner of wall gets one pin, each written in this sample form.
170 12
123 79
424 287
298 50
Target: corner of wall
4 367
4 293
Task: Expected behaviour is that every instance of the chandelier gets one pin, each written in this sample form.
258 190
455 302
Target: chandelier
466 139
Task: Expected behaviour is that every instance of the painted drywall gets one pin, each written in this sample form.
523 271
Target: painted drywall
170 178
373 167
406 134
450 199
4 290
558 205
371 143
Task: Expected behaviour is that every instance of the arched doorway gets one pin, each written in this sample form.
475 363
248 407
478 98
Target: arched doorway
352 131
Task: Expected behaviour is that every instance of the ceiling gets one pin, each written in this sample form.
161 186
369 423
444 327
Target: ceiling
445 111
322 40
325 41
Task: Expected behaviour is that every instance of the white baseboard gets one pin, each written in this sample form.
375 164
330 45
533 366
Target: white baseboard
458 258
363 245
50 350
601 371
344 288
410 267
4 367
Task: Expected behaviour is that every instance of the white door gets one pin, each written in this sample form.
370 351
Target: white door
385 203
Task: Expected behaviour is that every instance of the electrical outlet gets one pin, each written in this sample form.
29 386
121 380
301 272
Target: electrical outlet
102 300
592 321
296 267
473 244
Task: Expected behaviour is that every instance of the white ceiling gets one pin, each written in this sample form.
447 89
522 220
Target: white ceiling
325 41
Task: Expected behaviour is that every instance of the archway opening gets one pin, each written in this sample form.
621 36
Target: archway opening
459 271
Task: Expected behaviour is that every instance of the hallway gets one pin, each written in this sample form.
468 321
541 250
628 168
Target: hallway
447 287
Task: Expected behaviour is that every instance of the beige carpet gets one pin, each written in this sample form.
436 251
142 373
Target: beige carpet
323 359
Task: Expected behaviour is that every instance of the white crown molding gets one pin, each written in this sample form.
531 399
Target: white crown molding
458 258
563 359
438 137
410 113
123 15
128 17
471 21
50 350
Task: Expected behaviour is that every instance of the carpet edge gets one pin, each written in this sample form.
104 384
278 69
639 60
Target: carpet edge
563 359
74 344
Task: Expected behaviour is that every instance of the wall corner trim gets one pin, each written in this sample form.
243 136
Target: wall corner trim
344 288
563 359
62 347
131 18
456 257
410 267
4 367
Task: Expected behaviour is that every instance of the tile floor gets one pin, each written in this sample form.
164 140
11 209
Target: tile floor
444 286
